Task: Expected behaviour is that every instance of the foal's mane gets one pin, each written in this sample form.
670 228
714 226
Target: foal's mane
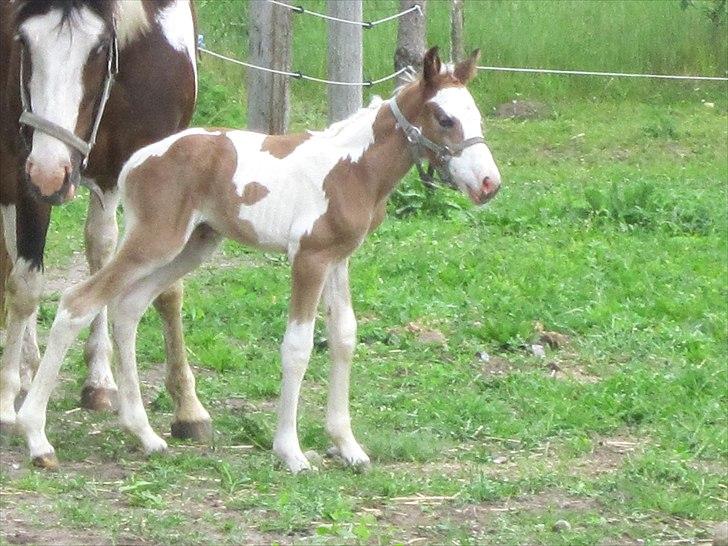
69 8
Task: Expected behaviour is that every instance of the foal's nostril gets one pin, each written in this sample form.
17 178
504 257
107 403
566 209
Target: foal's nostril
489 185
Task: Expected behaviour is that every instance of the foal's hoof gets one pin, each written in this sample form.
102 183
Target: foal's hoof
49 461
98 398
354 458
198 431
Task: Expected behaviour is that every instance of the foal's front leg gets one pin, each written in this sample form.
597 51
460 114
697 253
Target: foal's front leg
341 326
308 275
101 233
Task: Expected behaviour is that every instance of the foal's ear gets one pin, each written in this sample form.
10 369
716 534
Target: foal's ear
431 65
467 69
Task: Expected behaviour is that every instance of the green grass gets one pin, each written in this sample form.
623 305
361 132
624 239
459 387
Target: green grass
611 228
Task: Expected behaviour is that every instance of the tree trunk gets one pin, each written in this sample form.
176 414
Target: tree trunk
411 38
345 58
456 31
270 46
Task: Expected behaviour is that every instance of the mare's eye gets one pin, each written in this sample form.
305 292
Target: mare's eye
446 122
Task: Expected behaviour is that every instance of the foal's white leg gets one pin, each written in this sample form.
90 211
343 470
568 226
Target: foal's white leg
308 275
99 390
341 325
23 291
31 354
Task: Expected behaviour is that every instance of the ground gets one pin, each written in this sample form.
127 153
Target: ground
606 247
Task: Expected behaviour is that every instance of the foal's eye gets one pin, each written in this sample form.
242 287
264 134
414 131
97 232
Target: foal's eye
446 122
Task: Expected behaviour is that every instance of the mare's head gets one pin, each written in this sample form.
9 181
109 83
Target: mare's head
450 122
66 50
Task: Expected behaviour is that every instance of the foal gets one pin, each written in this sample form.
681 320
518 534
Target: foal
314 195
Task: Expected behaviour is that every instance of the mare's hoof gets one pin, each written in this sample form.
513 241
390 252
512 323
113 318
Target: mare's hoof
20 398
98 398
49 461
198 431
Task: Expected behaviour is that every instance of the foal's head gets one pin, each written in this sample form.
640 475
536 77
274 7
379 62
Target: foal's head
66 48
450 120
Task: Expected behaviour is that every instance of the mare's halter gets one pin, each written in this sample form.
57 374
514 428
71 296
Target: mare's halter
29 119
417 143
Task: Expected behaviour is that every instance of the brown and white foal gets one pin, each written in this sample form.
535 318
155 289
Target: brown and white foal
314 196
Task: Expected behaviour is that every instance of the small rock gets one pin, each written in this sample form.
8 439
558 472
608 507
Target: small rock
554 340
500 459
709 104
561 526
720 534
314 458
538 350
431 337
482 356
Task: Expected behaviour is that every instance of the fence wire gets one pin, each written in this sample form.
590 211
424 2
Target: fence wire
301 76
609 74
364 24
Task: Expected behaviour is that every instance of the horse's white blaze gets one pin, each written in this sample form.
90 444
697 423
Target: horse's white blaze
59 51
476 162
132 21
289 211
178 28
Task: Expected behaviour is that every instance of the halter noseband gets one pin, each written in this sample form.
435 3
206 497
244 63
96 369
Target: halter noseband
443 154
28 118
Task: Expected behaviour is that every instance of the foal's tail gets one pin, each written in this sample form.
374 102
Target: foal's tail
5 267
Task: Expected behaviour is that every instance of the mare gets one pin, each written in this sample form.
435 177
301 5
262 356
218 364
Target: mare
85 84
314 196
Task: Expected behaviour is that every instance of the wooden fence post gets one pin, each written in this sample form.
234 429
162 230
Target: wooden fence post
345 57
411 38
457 49
270 46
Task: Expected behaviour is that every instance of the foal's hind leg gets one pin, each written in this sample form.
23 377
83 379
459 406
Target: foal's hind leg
79 305
126 312
101 232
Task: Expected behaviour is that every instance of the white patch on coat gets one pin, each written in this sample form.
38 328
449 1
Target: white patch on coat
475 163
132 21
58 53
178 27
11 244
295 183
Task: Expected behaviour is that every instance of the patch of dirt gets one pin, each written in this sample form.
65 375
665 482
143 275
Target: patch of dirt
497 366
58 279
523 109
608 455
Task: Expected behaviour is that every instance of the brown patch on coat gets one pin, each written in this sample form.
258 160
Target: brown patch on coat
280 146
253 192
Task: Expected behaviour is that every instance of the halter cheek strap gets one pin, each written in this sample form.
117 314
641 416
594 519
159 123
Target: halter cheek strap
417 142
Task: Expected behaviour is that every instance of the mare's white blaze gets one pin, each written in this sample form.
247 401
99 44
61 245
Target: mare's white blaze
132 21
476 162
178 27
8 216
59 52
288 212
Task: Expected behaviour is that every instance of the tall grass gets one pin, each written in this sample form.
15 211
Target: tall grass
654 36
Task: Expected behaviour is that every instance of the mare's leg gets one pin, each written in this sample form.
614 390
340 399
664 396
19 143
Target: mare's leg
190 416
191 420
341 326
25 227
140 254
101 232
308 275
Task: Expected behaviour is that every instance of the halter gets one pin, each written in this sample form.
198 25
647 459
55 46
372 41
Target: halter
417 142
28 118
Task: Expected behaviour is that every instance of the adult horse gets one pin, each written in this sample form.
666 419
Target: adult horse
85 84
314 196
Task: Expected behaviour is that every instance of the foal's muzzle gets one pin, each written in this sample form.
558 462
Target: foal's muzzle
54 186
